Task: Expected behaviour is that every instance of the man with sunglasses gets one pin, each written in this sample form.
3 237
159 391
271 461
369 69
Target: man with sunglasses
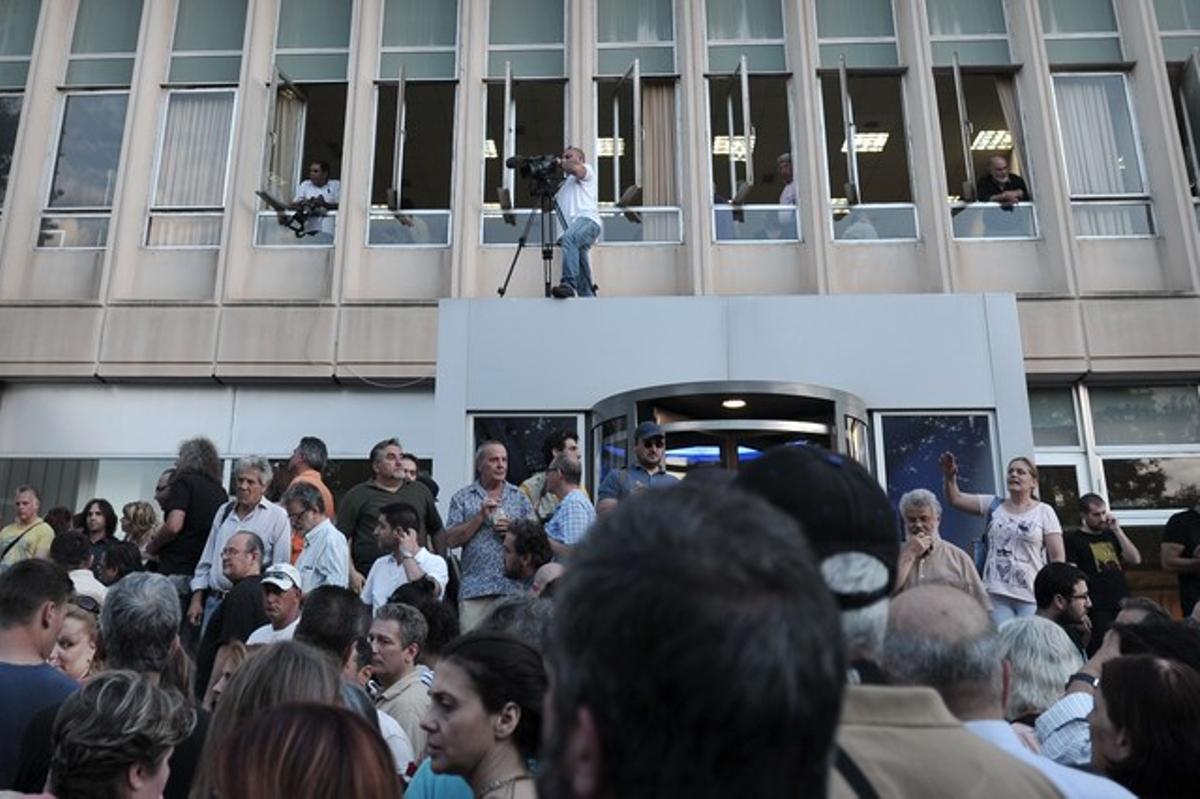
650 471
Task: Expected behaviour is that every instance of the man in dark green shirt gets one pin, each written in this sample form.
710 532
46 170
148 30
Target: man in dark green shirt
358 510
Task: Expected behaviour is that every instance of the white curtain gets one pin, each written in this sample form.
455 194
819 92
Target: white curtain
285 150
195 150
1006 94
1097 164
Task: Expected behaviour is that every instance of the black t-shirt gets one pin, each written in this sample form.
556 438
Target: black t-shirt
199 497
986 187
1098 555
238 615
1184 528
34 763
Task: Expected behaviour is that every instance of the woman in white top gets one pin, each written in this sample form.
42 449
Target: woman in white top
1022 535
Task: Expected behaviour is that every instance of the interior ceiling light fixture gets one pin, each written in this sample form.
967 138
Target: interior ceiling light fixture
734 147
489 149
989 140
733 404
604 147
868 142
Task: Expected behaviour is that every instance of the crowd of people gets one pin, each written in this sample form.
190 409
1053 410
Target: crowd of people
770 633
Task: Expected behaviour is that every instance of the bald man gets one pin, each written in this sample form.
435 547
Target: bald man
939 638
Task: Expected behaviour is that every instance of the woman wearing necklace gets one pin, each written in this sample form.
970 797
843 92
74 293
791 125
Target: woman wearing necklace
1023 533
485 719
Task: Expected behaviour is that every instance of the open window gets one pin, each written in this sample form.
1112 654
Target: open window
981 138
1179 28
867 156
306 121
525 111
754 196
99 69
636 154
414 128
866 144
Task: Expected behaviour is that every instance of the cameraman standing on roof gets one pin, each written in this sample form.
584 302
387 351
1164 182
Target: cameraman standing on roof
576 199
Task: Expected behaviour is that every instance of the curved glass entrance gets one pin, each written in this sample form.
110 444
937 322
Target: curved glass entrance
727 423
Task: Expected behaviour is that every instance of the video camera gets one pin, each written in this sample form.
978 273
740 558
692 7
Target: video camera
310 206
534 167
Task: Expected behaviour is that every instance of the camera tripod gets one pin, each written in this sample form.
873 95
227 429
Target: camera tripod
548 204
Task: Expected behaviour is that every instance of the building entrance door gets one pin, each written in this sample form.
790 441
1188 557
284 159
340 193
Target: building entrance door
727 424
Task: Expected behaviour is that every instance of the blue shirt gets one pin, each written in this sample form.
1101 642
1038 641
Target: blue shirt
24 692
572 519
620 483
1070 781
483 555
426 784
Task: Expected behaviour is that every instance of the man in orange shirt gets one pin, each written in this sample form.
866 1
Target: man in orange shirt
307 463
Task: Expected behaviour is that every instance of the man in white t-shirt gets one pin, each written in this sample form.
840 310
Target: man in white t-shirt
324 195
576 199
281 604
406 561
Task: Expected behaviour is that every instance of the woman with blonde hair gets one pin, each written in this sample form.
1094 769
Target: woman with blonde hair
76 647
1022 535
138 521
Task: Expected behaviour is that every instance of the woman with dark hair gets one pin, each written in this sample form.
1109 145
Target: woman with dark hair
305 751
1145 725
112 738
485 720
119 559
1022 535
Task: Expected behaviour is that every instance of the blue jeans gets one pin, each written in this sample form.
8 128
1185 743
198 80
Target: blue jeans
576 241
1005 608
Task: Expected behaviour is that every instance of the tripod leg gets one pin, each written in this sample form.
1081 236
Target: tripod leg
520 246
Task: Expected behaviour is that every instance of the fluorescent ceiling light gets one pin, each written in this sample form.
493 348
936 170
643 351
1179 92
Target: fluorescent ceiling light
734 147
992 140
868 142
604 147
489 149
734 404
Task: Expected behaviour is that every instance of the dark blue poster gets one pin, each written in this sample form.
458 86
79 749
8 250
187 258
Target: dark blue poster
912 445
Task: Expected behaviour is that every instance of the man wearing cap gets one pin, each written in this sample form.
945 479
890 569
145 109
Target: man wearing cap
650 471
281 603
892 740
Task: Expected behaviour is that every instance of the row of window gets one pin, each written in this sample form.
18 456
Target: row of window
637 141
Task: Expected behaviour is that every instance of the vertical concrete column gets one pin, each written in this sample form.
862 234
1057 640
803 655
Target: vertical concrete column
694 162
466 198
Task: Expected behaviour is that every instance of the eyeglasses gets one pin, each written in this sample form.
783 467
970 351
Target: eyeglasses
294 516
232 551
86 603
1080 596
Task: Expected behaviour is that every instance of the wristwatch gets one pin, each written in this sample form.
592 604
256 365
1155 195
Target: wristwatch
1079 676
408 556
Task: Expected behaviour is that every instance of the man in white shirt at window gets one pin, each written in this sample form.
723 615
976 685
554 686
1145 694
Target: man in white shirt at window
406 561
576 199
321 195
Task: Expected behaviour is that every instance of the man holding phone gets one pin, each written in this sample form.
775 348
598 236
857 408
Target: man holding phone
1098 548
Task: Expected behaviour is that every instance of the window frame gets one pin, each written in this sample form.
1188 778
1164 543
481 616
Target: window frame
167 211
821 41
399 147
632 45
1141 199
1047 38
82 212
